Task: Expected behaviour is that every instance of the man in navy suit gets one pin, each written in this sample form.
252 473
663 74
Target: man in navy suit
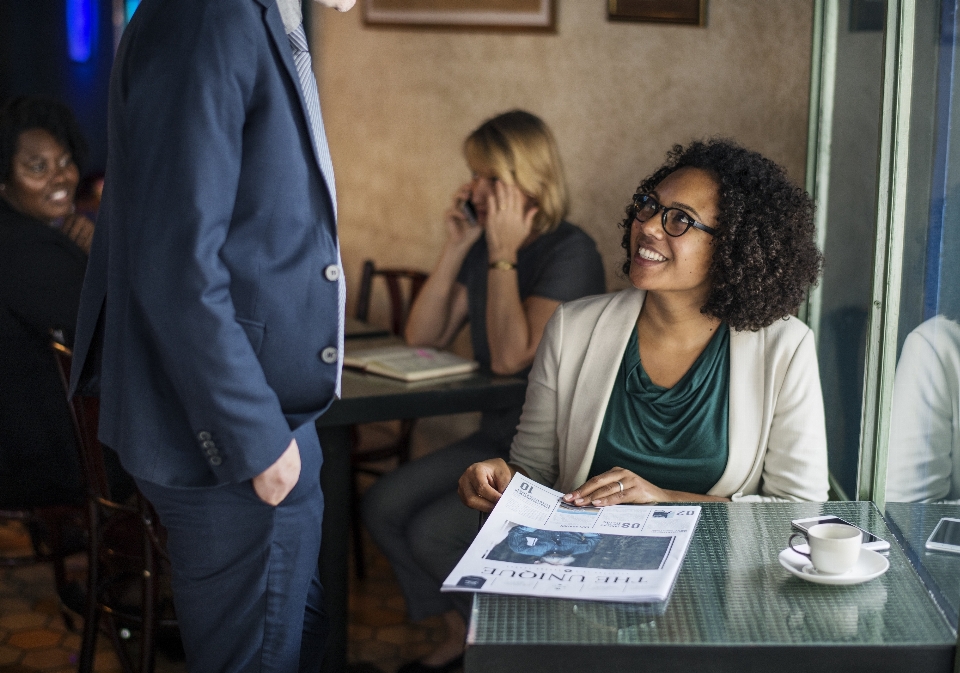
211 316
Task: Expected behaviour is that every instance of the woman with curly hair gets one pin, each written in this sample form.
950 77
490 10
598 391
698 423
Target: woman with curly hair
697 383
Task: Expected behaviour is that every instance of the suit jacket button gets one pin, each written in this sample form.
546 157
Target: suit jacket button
209 445
329 355
215 460
332 272
203 436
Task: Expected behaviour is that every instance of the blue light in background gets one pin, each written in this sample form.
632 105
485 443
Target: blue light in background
81 29
131 7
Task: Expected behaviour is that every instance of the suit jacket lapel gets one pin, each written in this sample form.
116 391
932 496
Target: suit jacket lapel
271 17
747 358
595 380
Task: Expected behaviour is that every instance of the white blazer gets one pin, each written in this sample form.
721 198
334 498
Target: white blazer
923 455
777 436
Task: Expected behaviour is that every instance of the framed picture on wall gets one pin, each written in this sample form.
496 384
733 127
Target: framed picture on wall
504 14
690 12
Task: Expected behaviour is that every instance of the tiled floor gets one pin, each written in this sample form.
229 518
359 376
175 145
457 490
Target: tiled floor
33 637
32 633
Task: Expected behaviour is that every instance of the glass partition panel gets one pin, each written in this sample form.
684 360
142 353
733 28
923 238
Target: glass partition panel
922 463
923 450
851 90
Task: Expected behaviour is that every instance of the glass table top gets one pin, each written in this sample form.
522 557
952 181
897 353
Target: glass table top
732 590
939 570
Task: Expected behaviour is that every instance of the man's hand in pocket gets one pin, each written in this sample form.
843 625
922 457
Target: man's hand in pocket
276 482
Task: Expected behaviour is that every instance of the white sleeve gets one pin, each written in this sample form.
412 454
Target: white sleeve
921 425
795 464
536 447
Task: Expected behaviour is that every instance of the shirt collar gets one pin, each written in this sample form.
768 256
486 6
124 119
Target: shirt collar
290 13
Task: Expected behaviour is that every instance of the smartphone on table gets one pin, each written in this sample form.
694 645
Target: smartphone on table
945 536
870 541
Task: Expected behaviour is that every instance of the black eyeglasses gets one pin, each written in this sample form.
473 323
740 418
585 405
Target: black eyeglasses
675 221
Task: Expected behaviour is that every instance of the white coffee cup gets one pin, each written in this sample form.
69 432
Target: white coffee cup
834 547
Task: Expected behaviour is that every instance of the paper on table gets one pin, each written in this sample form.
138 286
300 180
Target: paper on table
534 544
408 363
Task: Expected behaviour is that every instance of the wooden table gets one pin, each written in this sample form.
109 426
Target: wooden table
368 398
733 609
358 329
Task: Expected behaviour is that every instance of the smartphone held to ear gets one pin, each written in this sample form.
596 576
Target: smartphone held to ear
469 212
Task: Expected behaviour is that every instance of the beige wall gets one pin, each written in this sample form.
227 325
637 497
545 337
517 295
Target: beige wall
397 104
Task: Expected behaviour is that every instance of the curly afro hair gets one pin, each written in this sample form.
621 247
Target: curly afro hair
765 255
25 113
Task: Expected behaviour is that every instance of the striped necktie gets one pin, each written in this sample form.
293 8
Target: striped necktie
308 87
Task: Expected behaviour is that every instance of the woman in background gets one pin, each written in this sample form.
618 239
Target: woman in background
510 258
696 384
43 256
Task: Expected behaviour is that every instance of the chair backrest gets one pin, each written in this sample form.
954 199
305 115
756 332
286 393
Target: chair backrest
85 414
403 286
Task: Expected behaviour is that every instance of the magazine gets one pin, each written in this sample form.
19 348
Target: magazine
534 544
409 363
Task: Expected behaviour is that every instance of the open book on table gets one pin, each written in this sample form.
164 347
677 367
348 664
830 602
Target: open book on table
409 363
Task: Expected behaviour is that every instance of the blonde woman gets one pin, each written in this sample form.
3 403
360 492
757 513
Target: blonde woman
509 260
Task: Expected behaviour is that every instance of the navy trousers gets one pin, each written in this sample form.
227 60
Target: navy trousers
246 583
416 518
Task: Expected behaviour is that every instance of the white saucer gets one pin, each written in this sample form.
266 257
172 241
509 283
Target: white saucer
869 566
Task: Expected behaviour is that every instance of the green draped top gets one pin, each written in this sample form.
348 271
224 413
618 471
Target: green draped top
675 438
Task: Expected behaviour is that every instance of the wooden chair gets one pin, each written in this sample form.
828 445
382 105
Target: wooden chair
125 555
50 542
403 286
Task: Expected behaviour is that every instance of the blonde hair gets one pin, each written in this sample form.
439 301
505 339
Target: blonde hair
518 148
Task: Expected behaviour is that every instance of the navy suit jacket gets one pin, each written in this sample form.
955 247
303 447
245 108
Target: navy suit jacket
209 291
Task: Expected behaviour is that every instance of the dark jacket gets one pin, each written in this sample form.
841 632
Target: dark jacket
41 272
211 261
